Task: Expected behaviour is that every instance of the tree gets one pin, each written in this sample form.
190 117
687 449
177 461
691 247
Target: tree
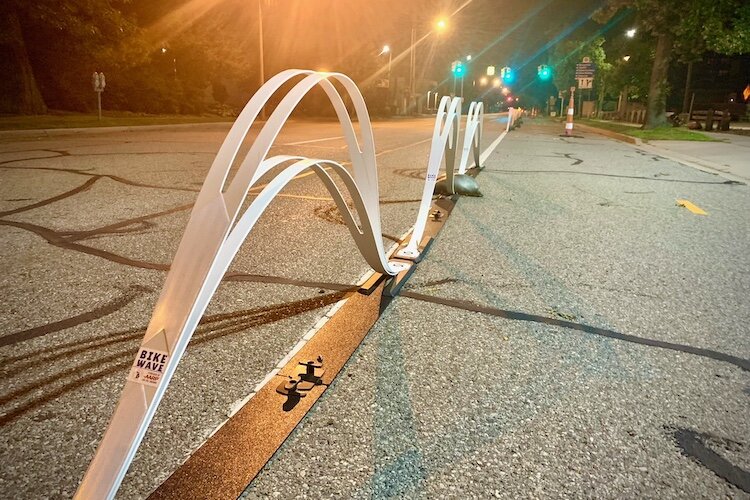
571 52
685 30
54 34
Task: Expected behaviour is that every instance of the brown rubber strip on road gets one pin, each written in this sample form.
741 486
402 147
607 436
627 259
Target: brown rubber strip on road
226 463
231 458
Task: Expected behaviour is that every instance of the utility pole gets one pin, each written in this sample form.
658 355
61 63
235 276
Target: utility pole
260 45
412 65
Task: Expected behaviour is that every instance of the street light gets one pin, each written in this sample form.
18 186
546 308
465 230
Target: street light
626 58
440 26
387 50
630 33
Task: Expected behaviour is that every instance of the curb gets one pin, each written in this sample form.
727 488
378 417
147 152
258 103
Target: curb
609 133
689 161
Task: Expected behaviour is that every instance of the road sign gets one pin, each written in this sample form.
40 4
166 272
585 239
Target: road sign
585 83
585 70
98 82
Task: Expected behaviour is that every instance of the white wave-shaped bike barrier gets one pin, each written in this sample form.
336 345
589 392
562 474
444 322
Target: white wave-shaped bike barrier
212 238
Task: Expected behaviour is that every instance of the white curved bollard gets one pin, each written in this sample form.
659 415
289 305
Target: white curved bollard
472 135
444 141
212 239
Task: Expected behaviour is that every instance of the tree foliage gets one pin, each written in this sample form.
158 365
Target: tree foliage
685 30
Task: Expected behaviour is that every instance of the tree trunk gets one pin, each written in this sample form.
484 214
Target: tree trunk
19 93
656 107
688 81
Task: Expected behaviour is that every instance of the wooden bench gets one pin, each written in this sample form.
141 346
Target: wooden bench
709 116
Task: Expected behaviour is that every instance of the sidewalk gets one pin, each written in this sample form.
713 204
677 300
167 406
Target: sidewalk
574 333
731 156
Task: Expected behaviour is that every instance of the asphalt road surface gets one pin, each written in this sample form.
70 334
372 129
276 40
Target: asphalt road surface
89 223
573 333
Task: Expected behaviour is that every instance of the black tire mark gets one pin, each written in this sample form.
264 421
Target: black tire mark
118 226
741 363
442 281
692 444
54 238
500 171
234 323
80 189
130 294
412 173
277 280
576 161
115 178
76 347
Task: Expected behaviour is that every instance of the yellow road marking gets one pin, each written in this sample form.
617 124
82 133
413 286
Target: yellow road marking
690 206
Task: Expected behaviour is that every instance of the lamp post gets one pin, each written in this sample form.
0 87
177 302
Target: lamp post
387 50
260 54
440 26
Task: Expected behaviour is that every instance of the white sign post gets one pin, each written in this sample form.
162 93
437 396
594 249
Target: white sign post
98 82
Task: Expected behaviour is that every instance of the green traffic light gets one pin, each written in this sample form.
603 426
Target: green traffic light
544 72
507 75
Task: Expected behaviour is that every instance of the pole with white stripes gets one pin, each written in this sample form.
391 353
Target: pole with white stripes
571 111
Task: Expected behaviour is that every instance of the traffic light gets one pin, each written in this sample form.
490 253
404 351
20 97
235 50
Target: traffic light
507 75
544 72
458 69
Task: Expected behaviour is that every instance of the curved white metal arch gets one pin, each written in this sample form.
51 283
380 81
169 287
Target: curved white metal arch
472 135
444 142
212 239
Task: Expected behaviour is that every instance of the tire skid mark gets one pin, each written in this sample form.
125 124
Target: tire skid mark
212 328
742 363
412 173
278 280
691 443
57 240
80 189
113 177
130 294
117 227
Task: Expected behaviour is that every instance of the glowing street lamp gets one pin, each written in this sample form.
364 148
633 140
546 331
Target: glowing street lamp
387 50
483 81
440 26
630 33
626 58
